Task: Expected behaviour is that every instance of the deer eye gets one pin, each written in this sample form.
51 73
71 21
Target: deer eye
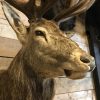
39 33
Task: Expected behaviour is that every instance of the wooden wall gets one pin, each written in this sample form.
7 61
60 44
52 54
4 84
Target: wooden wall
66 89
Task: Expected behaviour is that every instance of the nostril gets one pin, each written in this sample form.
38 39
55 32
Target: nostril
84 59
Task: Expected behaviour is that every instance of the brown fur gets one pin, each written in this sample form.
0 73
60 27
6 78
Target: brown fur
46 53
29 76
19 82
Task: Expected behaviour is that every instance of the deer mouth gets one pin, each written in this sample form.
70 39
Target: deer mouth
67 72
74 74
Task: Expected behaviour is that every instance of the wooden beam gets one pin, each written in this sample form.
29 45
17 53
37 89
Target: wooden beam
9 47
82 95
4 63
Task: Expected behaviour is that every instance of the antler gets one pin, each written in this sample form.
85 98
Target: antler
35 9
31 9
76 8
46 6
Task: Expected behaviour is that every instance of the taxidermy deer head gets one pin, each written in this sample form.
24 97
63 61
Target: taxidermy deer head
45 48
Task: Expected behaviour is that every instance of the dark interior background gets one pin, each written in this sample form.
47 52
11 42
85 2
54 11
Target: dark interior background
93 33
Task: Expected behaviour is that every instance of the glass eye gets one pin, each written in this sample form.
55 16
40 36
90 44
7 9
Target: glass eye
39 33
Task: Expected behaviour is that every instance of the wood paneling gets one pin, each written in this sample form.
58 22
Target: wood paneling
4 63
9 47
65 85
6 30
82 95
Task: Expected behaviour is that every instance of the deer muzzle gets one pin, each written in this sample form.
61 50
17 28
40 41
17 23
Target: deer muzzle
81 63
89 61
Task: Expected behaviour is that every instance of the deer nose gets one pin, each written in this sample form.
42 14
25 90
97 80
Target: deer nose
85 59
92 65
89 61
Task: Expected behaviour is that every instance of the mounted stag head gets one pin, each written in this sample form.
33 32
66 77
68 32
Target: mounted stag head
45 48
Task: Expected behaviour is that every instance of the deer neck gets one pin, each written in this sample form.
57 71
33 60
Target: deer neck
21 74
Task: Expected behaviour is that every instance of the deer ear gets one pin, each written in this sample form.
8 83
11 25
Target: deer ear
14 20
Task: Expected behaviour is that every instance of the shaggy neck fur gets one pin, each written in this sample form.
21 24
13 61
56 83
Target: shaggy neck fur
24 84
